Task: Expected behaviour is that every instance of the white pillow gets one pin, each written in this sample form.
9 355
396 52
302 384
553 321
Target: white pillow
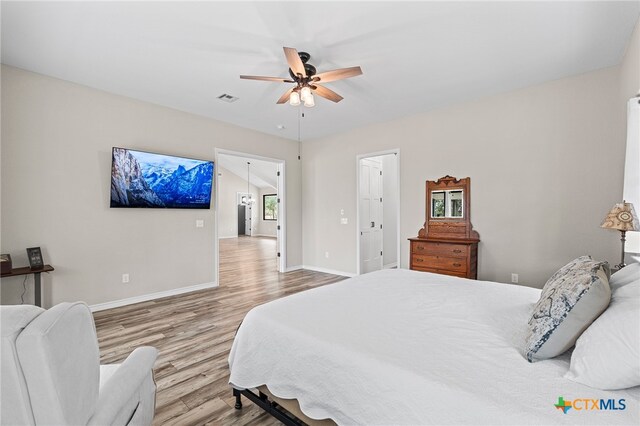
572 298
607 355
626 275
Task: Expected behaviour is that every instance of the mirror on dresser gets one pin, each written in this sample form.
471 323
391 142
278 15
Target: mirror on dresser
447 204
447 243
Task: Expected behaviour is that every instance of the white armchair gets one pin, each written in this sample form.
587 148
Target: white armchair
51 372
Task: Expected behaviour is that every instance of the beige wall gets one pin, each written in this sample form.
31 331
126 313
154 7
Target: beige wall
55 182
230 184
545 165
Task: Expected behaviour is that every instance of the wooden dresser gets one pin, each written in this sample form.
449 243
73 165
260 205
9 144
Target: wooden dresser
447 244
459 258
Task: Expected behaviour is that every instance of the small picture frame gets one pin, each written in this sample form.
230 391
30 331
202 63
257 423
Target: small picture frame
35 258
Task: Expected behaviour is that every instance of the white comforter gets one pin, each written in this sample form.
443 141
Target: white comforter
405 347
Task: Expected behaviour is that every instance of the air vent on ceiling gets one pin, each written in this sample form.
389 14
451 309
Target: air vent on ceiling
227 98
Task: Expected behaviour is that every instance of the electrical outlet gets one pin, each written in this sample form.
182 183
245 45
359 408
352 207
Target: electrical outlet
326 254
125 278
344 221
341 212
199 223
514 278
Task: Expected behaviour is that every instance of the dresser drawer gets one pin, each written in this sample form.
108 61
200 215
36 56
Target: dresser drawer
438 262
439 271
440 249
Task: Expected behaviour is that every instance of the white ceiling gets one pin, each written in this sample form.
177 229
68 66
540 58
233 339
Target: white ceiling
415 56
261 173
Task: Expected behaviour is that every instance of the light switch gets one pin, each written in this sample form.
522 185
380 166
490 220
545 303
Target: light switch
199 223
344 220
341 212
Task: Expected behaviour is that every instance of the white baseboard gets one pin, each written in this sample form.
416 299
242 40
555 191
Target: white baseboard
230 236
264 235
151 296
293 268
328 271
390 265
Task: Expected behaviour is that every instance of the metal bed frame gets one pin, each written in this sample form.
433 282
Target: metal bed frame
271 407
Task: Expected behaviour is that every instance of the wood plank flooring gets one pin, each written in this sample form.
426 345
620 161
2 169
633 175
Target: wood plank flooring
194 332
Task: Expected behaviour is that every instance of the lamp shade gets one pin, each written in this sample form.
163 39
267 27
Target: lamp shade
622 217
309 101
294 98
305 92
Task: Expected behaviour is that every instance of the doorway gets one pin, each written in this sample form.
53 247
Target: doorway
378 205
250 208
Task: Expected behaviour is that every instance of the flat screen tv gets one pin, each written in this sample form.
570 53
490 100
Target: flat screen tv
145 179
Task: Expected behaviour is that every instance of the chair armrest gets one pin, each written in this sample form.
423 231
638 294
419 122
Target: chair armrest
124 384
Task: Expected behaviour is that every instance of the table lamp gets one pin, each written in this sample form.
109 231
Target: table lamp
623 218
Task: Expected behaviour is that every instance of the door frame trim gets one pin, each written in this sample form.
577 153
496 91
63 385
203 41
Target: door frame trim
359 157
282 208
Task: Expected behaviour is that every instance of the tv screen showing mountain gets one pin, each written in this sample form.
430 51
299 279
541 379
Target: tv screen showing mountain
145 179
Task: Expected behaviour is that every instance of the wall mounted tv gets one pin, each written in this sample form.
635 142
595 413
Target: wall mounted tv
145 179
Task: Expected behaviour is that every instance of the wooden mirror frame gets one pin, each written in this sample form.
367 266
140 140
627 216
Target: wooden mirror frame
449 227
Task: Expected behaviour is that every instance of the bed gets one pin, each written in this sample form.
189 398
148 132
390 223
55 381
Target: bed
407 347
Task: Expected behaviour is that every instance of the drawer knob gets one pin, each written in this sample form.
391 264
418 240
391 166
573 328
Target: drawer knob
420 247
457 251
419 260
457 264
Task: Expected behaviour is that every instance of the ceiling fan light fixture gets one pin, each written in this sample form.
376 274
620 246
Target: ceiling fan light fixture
305 93
294 99
304 76
309 101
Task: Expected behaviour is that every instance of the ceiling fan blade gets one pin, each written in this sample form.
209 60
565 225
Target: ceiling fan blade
257 77
326 93
294 61
325 77
285 98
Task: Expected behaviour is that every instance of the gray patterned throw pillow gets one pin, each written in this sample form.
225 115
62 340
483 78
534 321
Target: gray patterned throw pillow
571 300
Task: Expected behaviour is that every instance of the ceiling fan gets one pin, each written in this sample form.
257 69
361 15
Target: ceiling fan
306 80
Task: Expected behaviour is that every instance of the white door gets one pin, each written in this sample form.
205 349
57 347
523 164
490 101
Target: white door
370 215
